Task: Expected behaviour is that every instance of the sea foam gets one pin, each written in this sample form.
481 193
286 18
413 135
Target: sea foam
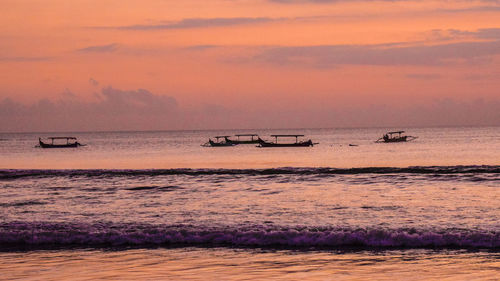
23 234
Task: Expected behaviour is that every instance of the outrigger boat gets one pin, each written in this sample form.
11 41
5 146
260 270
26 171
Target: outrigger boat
220 141
70 142
297 143
254 138
395 136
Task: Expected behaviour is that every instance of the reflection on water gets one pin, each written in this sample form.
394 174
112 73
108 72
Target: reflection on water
244 264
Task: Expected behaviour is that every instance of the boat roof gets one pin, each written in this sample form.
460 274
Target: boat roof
221 136
246 135
396 132
287 136
62 138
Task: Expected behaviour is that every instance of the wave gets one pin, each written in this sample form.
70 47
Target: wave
23 203
425 170
15 235
154 187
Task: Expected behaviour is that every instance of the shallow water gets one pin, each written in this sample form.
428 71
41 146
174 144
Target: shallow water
158 205
249 264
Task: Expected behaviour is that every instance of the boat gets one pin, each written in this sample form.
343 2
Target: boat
55 142
396 136
219 141
297 143
254 138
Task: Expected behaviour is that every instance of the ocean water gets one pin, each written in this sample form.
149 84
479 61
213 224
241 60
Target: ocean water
157 205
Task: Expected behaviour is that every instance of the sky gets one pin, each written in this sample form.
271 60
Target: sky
86 65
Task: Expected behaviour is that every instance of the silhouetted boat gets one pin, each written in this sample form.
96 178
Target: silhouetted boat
395 136
70 142
297 143
220 141
254 138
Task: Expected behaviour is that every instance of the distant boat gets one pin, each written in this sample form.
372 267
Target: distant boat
55 142
254 138
220 141
297 143
395 136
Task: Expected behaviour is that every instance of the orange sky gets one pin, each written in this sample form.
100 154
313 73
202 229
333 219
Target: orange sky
250 55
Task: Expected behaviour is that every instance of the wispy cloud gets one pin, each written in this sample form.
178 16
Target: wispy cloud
482 8
25 59
100 48
325 1
489 33
200 47
197 23
424 76
484 33
326 56
341 1
454 34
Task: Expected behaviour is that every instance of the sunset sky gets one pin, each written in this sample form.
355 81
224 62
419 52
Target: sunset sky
205 64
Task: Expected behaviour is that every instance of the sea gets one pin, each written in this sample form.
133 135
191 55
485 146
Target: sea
160 206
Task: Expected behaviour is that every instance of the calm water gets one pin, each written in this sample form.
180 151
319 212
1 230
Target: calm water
153 205
154 150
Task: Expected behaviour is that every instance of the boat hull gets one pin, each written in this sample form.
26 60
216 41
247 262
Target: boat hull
401 139
46 145
397 139
221 144
263 143
245 142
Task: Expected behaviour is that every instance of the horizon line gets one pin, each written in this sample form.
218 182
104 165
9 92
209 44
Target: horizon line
249 129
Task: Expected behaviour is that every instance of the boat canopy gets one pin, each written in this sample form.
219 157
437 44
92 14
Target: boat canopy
246 135
284 136
287 136
218 137
62 138
395 132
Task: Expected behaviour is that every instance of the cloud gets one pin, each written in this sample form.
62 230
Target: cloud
115 110
489 8
25 59
453 7
114 101
93 82
100 48
443 112
327 56
324 1
120 110
198 23
424 76
343 1
200 47
456 34
488 33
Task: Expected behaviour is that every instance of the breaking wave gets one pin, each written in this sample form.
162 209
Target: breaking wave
28 234
426 170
